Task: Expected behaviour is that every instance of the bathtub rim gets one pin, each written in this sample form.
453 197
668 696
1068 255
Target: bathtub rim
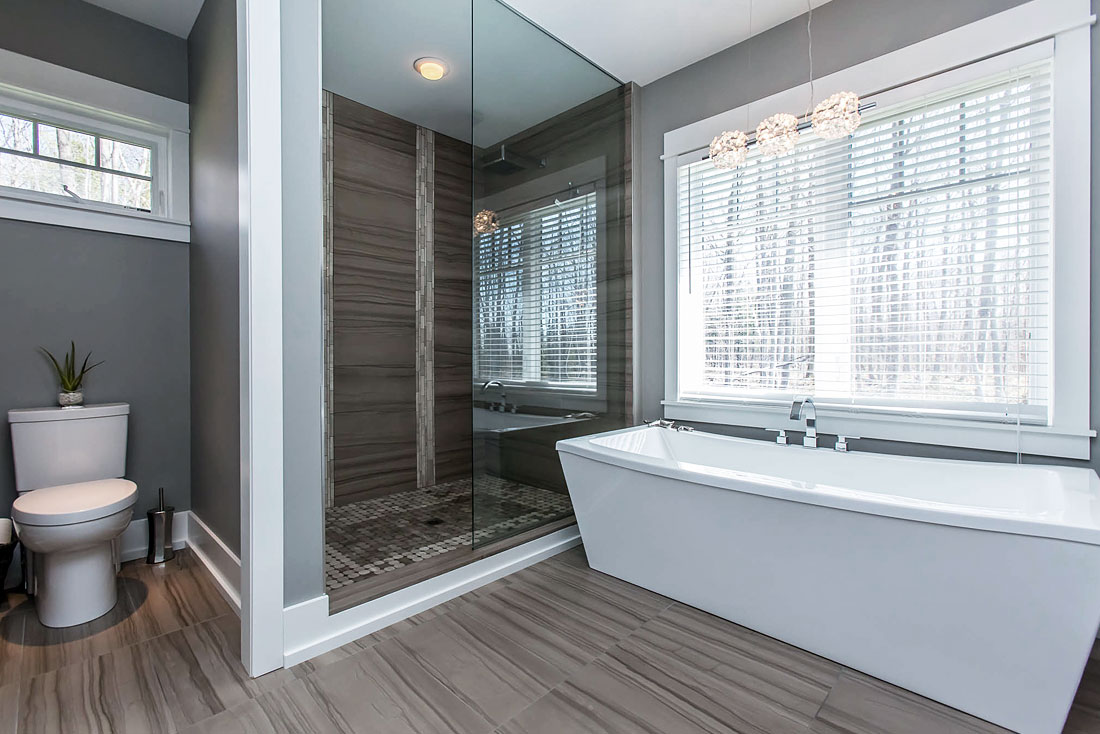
584 447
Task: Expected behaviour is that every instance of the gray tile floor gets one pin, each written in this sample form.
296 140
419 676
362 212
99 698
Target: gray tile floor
369 538
554 649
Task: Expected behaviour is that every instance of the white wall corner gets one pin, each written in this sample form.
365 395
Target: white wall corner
259 130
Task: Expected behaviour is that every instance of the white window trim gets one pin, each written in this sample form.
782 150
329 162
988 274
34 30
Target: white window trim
42 90
563 397
1067 24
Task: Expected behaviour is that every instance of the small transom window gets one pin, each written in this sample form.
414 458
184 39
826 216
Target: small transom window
37 155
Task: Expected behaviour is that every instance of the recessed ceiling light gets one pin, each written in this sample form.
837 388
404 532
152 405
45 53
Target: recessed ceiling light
431 69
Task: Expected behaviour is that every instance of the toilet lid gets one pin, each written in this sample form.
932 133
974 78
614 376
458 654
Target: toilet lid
72 503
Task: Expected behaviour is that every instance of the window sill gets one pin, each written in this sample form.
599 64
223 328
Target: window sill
1036 440
46 209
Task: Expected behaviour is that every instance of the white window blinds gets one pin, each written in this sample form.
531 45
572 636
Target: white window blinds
906 266
536 297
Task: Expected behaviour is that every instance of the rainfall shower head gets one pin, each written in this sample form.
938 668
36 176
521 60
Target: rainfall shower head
505 161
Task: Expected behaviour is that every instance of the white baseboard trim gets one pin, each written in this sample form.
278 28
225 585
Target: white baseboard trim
135 538
309 630
222 563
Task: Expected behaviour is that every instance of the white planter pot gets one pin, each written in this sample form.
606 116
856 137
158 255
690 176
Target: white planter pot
70 399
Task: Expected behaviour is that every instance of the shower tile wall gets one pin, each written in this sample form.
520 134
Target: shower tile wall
374 301
374 305
453 308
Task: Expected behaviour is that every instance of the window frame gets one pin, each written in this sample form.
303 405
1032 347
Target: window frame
535 194
531 291
54 95
1055 29
152 143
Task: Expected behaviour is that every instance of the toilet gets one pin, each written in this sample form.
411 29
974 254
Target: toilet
72 506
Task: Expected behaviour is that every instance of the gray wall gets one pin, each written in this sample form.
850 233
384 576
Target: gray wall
125 298
215 273
303 492
846 32
88 38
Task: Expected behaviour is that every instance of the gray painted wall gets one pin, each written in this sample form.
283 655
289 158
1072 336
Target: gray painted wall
215 273
88 38
125 298
303 491
846 32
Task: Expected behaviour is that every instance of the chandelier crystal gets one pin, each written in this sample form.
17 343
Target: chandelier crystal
837 116
486 221
730 149
777 135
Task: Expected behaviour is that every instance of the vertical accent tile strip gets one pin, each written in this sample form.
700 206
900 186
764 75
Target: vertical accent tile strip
326 295
425 307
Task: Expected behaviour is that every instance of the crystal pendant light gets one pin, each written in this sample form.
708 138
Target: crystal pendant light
837 116
486 221
729 150
777 135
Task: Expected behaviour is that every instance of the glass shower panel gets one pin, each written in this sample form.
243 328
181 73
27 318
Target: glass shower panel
551 267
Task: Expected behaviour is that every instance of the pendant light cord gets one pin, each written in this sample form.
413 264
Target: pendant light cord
749 41
810 51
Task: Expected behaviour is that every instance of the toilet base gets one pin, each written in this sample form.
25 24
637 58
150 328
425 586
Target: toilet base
75 587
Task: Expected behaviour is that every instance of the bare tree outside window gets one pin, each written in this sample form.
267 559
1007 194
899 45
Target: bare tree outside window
50 159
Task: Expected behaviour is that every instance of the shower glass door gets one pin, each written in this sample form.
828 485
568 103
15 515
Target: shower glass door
551 267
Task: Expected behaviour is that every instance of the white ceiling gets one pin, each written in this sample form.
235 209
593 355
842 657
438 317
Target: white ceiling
643 40
523 76
175 16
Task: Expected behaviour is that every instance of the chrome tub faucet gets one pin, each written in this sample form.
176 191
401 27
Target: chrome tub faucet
804 410
502 406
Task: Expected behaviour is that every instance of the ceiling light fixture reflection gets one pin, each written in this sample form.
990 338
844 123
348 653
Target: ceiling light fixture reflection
430 68
486 221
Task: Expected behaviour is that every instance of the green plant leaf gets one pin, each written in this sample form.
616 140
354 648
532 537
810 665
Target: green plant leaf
68 377
56 366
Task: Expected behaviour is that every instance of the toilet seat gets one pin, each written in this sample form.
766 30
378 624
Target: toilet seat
69 504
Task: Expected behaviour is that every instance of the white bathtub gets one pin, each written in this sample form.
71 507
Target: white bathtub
973 584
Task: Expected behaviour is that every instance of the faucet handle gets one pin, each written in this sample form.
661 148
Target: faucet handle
660 423
842 442
781 438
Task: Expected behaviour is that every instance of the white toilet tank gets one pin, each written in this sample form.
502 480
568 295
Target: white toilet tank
53 446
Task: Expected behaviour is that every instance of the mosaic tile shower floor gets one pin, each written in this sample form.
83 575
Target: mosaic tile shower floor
371 537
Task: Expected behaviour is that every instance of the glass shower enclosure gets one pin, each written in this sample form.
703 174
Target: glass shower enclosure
551 264
477 283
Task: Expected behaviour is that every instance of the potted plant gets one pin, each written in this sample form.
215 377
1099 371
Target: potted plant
69 377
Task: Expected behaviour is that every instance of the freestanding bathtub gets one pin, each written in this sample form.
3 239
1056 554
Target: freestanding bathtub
974 584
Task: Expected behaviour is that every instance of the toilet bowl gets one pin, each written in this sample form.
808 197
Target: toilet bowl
70 530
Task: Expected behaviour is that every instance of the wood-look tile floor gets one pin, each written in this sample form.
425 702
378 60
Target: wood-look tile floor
555 649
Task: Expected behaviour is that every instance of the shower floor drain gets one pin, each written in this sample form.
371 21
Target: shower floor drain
434 521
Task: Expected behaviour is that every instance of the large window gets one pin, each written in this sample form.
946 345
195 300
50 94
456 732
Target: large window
83 166
536 297
926 279
905 266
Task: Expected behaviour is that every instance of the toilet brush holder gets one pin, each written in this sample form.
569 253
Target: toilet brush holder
160 533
